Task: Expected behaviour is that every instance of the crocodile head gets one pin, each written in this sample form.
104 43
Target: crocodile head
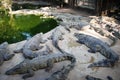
18 69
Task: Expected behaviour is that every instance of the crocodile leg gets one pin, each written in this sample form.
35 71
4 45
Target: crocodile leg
103 63
91 51
30 73
29 54
94 50
50 65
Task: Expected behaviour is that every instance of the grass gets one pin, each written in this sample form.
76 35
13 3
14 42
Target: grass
12 27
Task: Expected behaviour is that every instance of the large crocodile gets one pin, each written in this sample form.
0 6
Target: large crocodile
79 25
31 45
4 53
76 25
96 45
39 62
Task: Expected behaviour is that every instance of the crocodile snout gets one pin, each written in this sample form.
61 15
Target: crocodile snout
9 72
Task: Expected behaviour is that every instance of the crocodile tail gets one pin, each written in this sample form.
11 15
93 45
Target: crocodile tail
55 43
70 56
103 63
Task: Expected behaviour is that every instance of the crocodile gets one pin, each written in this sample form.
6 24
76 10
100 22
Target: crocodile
4 53
107 25
105 33
88 77
96 45
76 25
56 36
31 45
28 67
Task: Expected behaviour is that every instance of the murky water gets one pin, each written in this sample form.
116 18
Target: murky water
19 27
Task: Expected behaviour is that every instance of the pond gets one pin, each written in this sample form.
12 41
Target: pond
16 28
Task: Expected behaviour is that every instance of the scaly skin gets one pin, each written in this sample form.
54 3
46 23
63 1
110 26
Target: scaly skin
79 25
31 45
56 36
96 45
4 53
37 63
76 25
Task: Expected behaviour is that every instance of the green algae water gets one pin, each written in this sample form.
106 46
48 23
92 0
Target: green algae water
15 28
